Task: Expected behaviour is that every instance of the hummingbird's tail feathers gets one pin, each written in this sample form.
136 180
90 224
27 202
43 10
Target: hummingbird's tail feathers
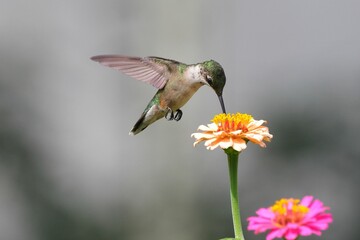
139 126
151 114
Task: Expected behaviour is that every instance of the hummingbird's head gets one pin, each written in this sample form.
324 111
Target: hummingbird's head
214 76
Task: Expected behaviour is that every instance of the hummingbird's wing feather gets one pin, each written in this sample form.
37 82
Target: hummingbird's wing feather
153 70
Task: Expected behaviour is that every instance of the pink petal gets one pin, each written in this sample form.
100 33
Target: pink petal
313 214
317 204
258 228
277 233
291 235
305 231
315 231
265 212
305 201
258 220
318 226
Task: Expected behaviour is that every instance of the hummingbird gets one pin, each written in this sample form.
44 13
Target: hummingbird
176 83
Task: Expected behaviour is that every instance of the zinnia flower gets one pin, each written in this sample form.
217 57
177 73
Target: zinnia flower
233 130
291 218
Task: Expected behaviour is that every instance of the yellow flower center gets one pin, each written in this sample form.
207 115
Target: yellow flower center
231 122
288 211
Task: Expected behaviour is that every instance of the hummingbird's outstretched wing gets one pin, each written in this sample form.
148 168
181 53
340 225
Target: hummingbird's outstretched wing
153 70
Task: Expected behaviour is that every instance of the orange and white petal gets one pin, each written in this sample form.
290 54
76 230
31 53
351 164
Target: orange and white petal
212 127
254 137
239 144
209 142
206 128
257 139
237 132
214 143
202 135
255 124
219 133
198 141
226 143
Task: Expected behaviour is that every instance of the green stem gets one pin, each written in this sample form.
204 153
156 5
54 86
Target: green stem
233 157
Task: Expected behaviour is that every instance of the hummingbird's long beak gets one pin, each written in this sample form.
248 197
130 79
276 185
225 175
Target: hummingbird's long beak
222 103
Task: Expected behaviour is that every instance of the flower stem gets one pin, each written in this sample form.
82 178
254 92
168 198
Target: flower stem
233 157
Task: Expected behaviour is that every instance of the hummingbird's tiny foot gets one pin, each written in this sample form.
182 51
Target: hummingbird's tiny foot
169 115
178 115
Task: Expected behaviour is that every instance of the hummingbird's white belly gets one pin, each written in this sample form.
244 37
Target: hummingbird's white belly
178 95
180 88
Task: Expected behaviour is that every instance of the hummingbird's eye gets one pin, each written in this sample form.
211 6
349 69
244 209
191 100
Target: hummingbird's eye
209 79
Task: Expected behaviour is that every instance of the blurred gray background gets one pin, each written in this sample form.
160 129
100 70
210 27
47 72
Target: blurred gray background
69 170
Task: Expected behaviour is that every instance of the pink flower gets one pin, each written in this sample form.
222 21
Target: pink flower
291 218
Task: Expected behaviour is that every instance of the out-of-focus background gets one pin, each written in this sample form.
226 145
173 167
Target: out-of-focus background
69 170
